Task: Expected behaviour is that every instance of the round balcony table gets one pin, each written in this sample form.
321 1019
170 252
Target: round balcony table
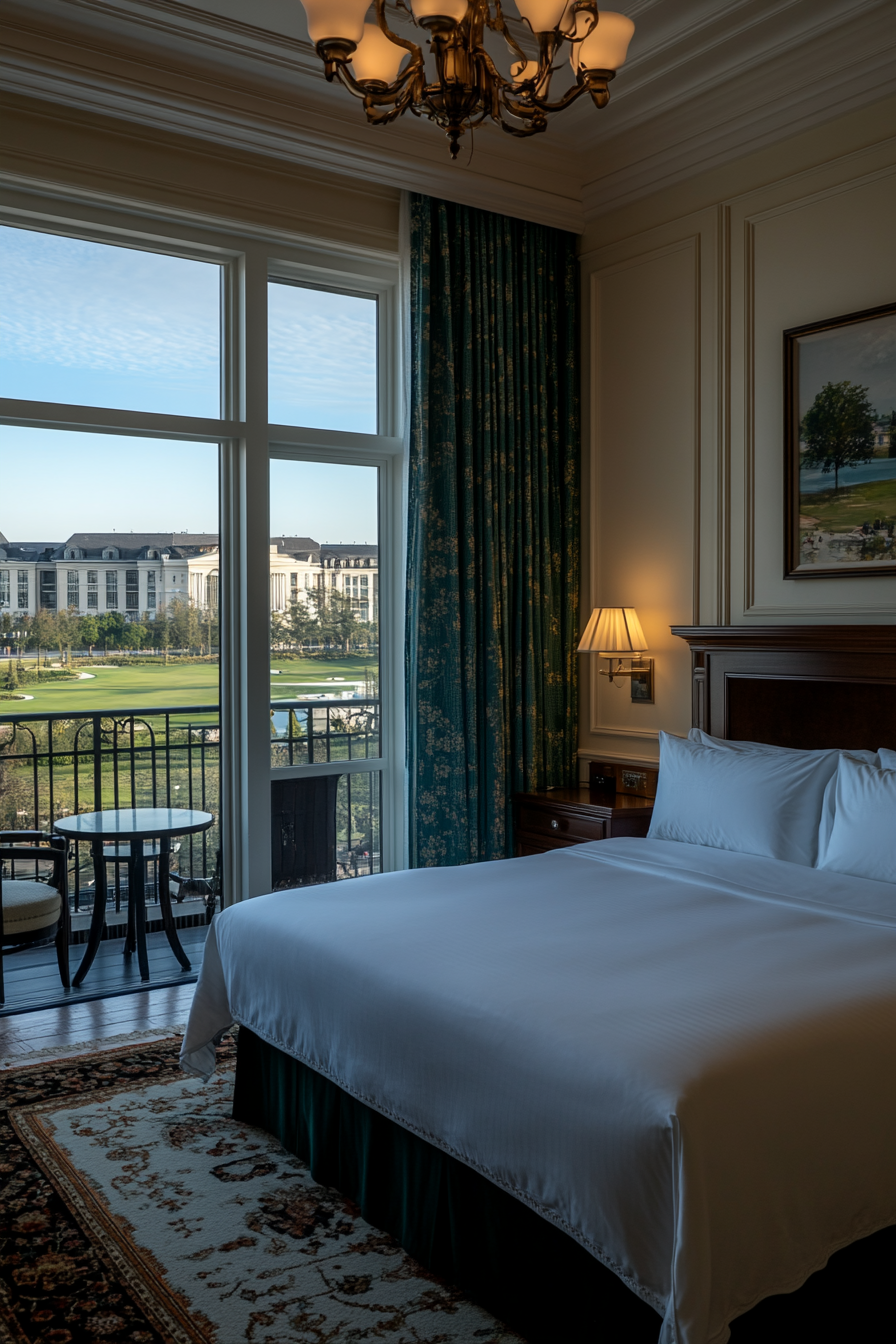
132 826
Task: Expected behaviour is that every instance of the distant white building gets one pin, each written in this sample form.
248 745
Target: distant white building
139 573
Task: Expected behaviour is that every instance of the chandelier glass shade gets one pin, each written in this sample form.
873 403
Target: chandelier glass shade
459 86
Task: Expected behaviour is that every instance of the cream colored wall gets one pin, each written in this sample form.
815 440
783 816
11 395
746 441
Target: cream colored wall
686 296
45 142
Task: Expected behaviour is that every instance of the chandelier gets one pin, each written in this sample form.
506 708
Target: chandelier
372 61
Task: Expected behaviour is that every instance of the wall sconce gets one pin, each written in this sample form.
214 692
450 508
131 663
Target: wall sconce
615 633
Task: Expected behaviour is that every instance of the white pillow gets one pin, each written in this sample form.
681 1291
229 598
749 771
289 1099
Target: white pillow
863 835
722 743
887 758
753 802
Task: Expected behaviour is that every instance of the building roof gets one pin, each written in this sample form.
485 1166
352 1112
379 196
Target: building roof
178 545
296 545
29 550
130 543
340 551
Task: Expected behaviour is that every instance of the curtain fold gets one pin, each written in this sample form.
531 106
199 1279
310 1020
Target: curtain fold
493 527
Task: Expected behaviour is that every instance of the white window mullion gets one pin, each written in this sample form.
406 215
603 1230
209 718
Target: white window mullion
256 644
244 614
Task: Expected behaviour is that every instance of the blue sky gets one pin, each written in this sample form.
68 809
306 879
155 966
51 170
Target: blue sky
94 324
105 482
321 359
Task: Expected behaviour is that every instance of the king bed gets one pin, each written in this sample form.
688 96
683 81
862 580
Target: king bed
663 1065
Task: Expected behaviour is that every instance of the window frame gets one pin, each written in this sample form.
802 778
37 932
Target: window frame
249 257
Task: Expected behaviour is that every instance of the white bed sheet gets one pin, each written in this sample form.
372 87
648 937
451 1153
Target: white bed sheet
683 1057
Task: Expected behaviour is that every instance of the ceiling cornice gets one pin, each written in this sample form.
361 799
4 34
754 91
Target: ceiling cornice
837 72
296 118
708 82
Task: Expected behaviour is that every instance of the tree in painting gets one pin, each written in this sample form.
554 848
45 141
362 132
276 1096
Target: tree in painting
838 429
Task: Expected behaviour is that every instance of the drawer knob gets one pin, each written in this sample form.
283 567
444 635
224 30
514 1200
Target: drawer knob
555 825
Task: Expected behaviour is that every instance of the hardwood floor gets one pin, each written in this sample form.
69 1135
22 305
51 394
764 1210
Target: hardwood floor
32 976
68 1026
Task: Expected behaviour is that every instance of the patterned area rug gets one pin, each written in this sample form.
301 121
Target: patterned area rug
133 1208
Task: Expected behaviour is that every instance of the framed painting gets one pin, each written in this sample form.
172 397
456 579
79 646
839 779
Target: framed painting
840 446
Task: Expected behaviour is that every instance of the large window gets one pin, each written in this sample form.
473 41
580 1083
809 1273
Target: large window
135 357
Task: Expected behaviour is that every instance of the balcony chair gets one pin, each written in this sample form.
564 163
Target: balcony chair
209 888
33 910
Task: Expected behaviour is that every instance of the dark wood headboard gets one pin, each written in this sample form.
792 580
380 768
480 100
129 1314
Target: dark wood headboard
795 685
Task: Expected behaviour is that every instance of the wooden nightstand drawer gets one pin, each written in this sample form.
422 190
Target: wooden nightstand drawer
561 817
560 824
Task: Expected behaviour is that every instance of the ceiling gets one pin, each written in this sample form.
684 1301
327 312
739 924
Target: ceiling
706 81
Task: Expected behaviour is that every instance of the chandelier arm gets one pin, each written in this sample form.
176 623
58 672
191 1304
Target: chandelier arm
499 25
522 132
382 118
593 82
580 7
416 52
567 100
388 93
483 58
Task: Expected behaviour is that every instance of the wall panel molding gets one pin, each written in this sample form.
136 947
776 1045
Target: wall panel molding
723 424
867 601
693 315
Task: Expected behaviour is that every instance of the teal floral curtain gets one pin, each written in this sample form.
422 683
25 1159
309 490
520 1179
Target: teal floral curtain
493 538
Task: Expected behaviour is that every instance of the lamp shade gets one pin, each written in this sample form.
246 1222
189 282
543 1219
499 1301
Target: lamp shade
375 57
455 10
336 20
615 632
541 15
606 47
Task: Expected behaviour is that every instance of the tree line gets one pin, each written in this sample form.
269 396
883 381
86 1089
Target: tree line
181 625
321 621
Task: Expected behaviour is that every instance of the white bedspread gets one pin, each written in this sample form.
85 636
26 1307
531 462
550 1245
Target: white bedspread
685 1058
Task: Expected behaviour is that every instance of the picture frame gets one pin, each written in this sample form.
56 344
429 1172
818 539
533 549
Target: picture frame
840 446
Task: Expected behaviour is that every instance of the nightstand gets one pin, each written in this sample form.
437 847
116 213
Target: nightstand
562 817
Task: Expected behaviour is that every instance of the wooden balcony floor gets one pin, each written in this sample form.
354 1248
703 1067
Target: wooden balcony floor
32 977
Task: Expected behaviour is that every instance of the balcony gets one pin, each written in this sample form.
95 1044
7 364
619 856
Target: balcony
324 828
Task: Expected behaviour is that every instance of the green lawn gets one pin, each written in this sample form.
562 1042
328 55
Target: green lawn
850 506
115 688
317 676
154 685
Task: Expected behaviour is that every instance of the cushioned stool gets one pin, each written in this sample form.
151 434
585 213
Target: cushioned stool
33 910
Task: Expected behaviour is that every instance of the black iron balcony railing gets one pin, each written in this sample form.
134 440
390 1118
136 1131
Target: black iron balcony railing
53 765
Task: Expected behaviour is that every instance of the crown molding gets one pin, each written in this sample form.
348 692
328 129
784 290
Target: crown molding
716 127
709 81
296 118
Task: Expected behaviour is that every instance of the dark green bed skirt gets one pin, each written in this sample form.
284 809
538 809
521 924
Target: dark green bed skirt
452 1220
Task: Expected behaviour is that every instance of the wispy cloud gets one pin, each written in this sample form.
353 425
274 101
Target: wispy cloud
97 307
322 357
